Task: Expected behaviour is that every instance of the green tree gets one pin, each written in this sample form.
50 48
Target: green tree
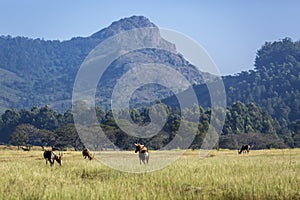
10 119
295 127
67 136
21 135
45 138
46 118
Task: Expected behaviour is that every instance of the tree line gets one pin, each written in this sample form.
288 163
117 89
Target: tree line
244 123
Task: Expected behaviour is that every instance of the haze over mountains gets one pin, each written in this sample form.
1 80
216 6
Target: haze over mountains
35 72
38 72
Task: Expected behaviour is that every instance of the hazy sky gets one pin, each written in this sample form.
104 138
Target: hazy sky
231 31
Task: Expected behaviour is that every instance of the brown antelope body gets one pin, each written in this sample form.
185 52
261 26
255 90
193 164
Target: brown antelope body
143 153
87 154
50 156
245 149
25 148
55 149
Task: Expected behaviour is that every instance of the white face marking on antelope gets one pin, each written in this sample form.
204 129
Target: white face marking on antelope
143 153
50 156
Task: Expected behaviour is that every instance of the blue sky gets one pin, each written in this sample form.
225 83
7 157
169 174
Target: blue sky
231 31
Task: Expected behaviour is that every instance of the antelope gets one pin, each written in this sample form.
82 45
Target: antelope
87 154
25 148
245 148
55 149
50 156
143 153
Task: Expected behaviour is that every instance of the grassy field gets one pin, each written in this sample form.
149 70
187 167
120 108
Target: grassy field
263 174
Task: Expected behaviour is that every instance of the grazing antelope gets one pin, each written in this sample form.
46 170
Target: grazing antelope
25 148
245 148
143 153
55 149
50 156
87 154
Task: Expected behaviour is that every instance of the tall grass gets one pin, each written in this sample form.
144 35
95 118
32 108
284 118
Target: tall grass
267 174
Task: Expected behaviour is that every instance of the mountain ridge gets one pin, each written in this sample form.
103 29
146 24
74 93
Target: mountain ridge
48 68
123 24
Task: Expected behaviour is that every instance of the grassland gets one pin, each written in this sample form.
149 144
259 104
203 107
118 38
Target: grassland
263 174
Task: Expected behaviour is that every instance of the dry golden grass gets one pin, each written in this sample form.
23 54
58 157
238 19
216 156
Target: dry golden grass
262 174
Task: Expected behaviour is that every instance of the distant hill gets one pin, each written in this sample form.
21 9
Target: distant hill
36 72
274 83
263 103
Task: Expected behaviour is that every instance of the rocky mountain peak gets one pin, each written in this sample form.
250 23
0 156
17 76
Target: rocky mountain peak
124 24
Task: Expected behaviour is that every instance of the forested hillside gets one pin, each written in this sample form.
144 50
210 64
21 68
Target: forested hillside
263 103
46 70
35 72
273 84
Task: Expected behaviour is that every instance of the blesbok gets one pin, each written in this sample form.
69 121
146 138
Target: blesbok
87 154
25 148
143 153
245 148
55 149
50 156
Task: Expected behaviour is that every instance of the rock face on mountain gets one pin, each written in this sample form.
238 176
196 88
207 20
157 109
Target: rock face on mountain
123 25
39 72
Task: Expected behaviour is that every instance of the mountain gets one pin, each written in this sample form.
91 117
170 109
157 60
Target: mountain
123 25
36 72
274 83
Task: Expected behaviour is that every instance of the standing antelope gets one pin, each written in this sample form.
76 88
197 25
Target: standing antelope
25 148
86 153
55 149
245 148
143 153
50 156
